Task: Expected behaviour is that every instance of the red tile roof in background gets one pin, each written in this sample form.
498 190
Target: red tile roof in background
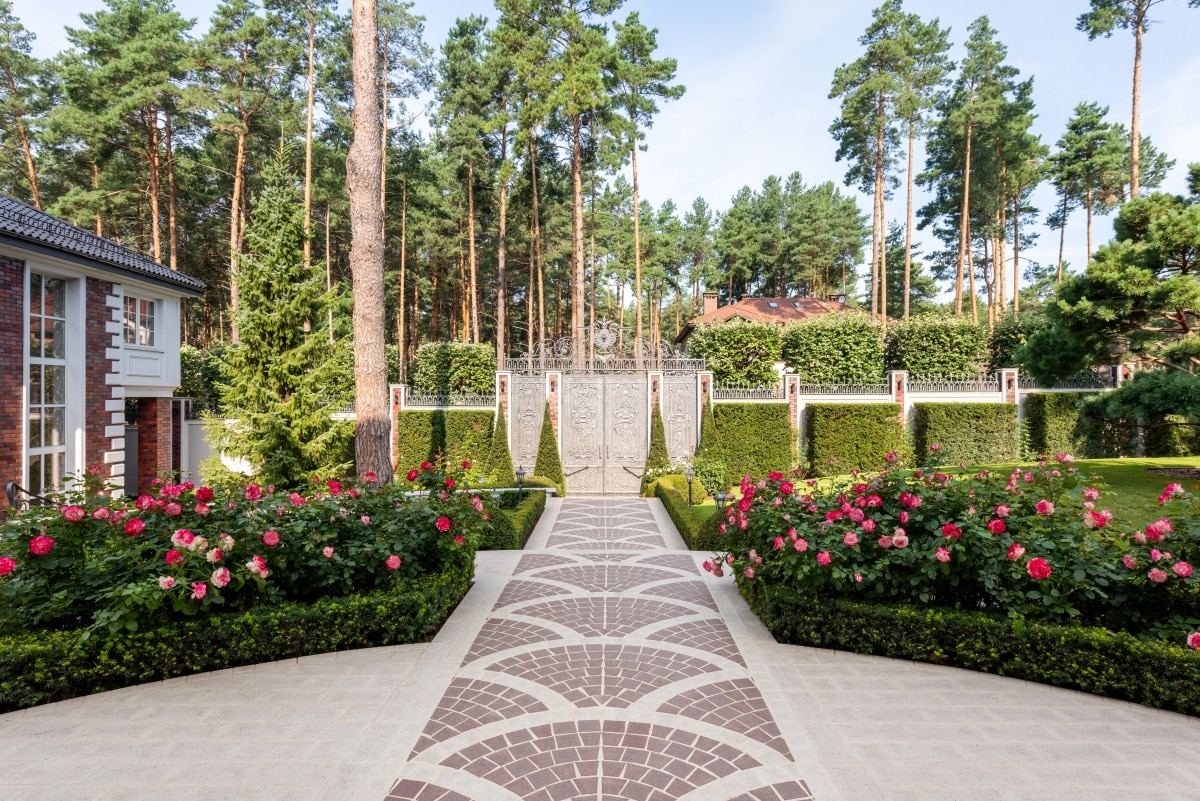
766 310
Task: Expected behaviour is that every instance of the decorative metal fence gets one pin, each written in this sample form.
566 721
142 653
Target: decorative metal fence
845 389
449 401
1101 379
741 391
931 384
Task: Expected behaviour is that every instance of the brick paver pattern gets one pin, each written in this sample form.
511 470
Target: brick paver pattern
604 673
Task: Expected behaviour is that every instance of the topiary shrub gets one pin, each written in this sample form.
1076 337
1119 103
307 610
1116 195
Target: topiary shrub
970 433
658 461
454 368
1052 423
499 461
840 437
756 438
835 348
672 491
738 351
936 347
548 464
458 435
510 528
709 463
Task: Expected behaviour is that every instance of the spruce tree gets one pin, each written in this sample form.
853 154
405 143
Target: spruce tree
658 461
276 386
548 464
500 466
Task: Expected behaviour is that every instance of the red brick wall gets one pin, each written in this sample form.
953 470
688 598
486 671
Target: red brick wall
12 367
154 440
97 367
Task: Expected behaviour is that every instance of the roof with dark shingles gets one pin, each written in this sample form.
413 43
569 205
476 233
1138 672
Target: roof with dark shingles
22 221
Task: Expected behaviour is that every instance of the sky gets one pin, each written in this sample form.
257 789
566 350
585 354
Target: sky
758 74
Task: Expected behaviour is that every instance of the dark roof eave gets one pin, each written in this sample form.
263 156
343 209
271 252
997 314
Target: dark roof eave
179 287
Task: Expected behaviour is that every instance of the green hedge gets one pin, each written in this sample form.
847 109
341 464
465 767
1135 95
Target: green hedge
833 348
1093 660
1171 435
1052 423
459 435
658 461
56 665
970 433
756 438
548 464
454 368
936 346
511 528
699 535
855 436
738 351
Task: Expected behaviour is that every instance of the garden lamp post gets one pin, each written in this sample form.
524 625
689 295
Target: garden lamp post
495 496
520 481
720 498
690 475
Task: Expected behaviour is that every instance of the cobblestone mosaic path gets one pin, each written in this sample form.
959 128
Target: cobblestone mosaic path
603 672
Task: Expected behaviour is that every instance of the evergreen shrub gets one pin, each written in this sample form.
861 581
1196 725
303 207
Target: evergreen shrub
1171 435
500 472
672 491
549 464
658 461
709 462
1052 423
970 433
458 435
840 437
936 347
510 528
835 348
756 438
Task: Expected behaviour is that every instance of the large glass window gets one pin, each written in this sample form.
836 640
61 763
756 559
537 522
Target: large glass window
47 420
139 321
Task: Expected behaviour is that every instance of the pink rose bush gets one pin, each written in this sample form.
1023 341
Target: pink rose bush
1034 543
182 549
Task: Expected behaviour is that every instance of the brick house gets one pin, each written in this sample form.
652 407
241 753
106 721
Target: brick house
780 311
85 324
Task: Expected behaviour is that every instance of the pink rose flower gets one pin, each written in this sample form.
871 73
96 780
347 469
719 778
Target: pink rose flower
1157 576
215 555
900 539
823 559
335 487
786 488
40 546
103 513
885 542
366 520
1091 494
748 572
199 590
143 503
868 526
443 524
1015 551
858 577
328 551
1038 568
1182 569
1155 554
707 565
73 514
253 492
392 562
221 577
1129 562
850 539
174 557
904 518
996 526
134 526
779 543
1045 508
800 544
182 538
173 509
7 565
935 447
270 538
1193 640
943 555
951 532
856 515
166 582
721 528
257 566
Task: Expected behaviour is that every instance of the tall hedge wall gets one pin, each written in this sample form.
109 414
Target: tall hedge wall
834 348
738 351
929 345
840 437
454 368
756 438
459 435
975 433
1052 423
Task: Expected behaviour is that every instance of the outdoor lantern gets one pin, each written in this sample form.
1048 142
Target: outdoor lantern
520 481
720 499
495 497
690 475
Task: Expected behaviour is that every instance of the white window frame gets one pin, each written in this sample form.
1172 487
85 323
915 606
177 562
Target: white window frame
133 332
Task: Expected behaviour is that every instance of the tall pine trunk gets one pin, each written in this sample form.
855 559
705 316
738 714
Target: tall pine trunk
235 232
364 169
879 192
1062 236
172 198
908 217
308 146
402 337
1016 286
474 289
1135 136
154 166
637 239
964 230
26 149
577 277
1088 201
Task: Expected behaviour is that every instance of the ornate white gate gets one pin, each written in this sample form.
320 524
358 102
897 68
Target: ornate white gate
604 382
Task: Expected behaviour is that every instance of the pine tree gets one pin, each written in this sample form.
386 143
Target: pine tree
548 464
658 461
499 465
275 385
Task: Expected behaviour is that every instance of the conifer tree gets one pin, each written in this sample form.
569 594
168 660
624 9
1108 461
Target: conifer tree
548 464
276 386
500 466
658 461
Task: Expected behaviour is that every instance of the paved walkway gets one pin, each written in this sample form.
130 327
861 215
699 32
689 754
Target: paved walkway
598 664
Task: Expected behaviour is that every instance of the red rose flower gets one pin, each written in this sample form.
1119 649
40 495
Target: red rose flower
1038 568
996 526
426 466
412 475
443 524
204 494
135 527
466 465
174 557
40 546
449 483
951 531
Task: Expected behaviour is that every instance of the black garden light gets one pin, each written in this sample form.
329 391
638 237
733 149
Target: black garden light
690 475
720 498
520 481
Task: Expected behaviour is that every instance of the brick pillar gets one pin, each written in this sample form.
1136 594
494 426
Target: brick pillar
154 441
503 388
553 396
1008 385
898 384
398 393
12 367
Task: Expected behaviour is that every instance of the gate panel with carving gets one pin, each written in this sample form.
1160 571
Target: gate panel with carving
625 443
679 402
528 405
582 426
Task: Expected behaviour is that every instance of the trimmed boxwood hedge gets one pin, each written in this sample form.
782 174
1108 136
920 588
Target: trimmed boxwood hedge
50 666
1052 423
459 435
697 534
510 528
856 436
970 433
1093 660
756 438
